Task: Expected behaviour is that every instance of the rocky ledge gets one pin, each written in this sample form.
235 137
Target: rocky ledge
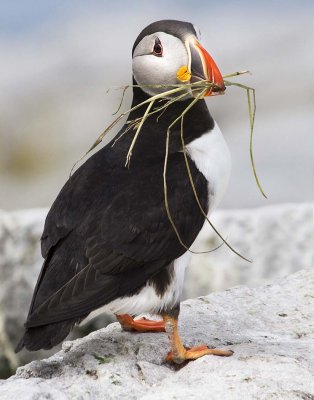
270 329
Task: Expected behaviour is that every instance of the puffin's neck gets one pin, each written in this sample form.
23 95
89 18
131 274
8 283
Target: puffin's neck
196 122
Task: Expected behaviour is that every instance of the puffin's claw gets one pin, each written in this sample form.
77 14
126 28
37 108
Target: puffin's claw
179 353
196 352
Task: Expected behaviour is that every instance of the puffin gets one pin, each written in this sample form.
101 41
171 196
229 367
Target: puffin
107 240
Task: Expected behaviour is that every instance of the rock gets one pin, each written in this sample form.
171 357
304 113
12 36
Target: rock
279 239
20 262
263 234
270 329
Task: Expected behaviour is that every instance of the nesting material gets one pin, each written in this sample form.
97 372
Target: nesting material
170 95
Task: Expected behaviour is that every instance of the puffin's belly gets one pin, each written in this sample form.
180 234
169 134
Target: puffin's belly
212 158
147 300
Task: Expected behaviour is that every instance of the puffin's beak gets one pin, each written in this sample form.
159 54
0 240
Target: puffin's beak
204 67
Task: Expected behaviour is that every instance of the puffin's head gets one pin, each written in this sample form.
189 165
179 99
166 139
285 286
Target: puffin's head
168 52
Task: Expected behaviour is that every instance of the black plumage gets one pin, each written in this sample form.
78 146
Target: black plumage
108 233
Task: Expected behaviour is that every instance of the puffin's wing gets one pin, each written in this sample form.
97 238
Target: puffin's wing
107 234
60 248
91 288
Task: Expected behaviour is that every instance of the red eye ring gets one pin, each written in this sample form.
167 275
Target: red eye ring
157 50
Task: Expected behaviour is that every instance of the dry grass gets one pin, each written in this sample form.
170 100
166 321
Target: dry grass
168 97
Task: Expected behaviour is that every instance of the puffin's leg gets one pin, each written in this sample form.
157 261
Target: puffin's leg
179 353
140 325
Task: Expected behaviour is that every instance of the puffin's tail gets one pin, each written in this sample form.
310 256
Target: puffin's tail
45 336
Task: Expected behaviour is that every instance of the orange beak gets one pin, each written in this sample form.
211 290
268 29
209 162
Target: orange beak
204 67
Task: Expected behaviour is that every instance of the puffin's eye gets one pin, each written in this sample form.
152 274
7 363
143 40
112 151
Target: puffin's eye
157 50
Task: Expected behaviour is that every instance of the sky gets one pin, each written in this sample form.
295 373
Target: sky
60 57
20 17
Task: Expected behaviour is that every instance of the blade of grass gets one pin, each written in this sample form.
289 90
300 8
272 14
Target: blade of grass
99 140
252 120
236 74
125 88
165 180
129 155
198 200
165 176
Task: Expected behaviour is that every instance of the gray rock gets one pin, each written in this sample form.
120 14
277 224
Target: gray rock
279 239
20 262
270 329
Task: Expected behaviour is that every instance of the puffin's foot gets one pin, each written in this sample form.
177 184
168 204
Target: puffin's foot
140 325
197 352
179 353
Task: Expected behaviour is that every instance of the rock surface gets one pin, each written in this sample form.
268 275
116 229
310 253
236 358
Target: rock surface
278 238
270 329
20 262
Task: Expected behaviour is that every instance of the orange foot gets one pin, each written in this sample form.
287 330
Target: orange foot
196 352
140 325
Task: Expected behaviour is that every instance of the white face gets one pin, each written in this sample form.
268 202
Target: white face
157 59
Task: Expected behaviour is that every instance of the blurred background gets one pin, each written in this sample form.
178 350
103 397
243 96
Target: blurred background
58 60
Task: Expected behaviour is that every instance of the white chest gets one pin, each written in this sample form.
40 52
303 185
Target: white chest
212 157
